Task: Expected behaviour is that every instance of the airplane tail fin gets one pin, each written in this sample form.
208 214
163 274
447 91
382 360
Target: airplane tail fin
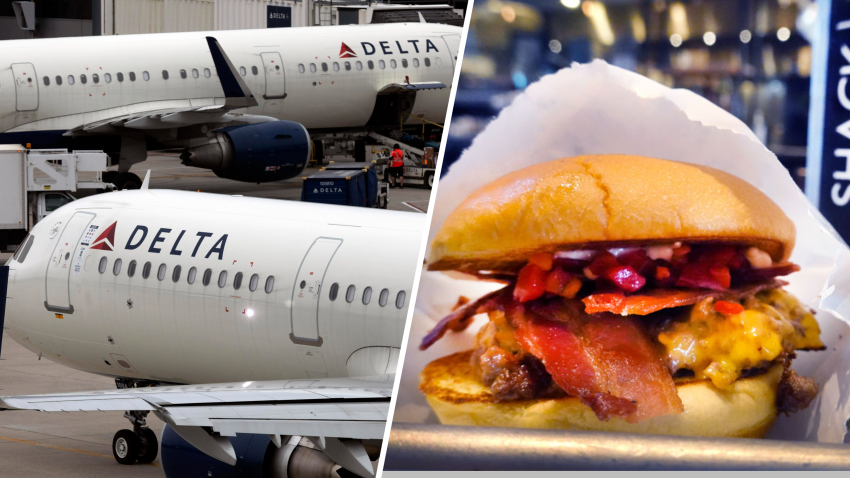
147 181
4 287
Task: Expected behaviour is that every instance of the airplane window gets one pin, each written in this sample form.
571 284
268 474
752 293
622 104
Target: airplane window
58 80
237 281
190 277
416 62
254 70
175 274
207 73
269 285
439 61
359 65
399 299
313 67
324 67
146 76
116 267
95 78
301 68
102 266
83 79
70 79
371 64
164 74
427 62
334 291
195 73
303 284
107 77
183 74
22 252
131 269
367 295
382 300
243 71
255 281
120 77
160 273
20 247
336 66
404 63
132 76
146 270
207 277
349 294
222 279
382 64
46 81
393 64
347 66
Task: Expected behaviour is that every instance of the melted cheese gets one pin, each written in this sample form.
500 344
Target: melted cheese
719 348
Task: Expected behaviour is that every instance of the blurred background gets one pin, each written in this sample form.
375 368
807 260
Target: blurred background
751 57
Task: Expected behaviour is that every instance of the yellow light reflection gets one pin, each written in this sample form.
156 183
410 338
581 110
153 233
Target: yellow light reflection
598 16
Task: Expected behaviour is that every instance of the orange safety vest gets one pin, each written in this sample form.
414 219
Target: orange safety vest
398 158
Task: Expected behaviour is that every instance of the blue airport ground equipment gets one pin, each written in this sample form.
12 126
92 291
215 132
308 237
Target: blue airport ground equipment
342 187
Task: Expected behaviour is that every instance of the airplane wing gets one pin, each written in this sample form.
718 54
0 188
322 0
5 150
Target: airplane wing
175 114
402 87
323 410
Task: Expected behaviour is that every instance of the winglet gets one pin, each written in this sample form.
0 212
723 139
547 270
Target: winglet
421 18
235 90
147 181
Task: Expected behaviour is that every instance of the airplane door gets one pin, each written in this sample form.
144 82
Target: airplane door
26 87
307 290
65 254
453 42
275 78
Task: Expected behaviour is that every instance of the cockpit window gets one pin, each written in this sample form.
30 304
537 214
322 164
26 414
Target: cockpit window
23 249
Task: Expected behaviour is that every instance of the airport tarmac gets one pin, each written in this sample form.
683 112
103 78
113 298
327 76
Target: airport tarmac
80 444
168 173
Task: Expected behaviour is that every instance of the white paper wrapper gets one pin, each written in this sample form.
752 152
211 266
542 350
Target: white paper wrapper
600 109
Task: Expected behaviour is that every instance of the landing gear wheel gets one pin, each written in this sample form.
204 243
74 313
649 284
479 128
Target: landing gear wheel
127 181
151 447
429 180
125 447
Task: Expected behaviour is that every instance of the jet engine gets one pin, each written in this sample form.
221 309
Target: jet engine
257 457
255 153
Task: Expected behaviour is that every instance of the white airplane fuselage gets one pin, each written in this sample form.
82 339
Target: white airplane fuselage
69 302
319 76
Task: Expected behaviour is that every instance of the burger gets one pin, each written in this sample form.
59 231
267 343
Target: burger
640 295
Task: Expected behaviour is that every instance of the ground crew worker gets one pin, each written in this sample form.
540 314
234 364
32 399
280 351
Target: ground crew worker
397 166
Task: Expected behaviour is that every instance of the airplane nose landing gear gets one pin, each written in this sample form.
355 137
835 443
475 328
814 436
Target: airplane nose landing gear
139 444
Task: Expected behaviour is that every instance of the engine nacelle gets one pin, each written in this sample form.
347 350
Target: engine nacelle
254 153
257 457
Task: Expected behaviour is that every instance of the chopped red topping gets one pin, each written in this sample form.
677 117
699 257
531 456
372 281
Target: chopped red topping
557 280
721 275
530 283
542 260
604 261
728 308
625 278
662 273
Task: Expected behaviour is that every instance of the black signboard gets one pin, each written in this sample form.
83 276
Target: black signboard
828 162
277 17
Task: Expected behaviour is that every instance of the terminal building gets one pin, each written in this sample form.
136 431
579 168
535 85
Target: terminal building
70 18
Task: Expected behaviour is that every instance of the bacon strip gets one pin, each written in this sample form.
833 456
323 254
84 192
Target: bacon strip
658 299
460 319
607 361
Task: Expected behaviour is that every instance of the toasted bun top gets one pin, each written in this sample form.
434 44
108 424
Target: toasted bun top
580 202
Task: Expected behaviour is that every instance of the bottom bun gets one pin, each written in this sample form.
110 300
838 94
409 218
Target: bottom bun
458 397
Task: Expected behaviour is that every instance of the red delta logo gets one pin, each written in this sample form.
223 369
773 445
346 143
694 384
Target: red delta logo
106 239
345 51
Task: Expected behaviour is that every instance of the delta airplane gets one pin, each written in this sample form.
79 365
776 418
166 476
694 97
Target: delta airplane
278 321
240 103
